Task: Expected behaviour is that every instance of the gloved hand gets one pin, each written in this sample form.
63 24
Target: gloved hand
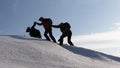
35 22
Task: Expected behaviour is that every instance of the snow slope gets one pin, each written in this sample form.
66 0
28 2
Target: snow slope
27 52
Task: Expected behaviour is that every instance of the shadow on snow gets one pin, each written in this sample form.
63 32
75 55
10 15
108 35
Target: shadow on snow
90 53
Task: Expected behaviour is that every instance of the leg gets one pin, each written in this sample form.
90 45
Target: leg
69 38
46 36
61 39
51 36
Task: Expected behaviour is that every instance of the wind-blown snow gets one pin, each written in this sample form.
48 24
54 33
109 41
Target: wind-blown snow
27 52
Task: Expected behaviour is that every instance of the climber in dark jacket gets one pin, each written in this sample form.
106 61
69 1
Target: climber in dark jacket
47 24
66 32
33 32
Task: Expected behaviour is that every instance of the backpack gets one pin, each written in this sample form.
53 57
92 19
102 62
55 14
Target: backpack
48 20
47 23
67 25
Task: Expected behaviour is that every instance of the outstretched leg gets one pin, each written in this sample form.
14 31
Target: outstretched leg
61 39
69 39
46 36
51 36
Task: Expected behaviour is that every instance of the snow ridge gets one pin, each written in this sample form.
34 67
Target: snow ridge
26 52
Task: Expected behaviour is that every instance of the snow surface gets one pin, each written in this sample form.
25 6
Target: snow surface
27 52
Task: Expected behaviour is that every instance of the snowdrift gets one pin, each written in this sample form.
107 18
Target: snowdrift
27 52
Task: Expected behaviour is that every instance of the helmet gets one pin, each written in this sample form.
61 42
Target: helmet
41 18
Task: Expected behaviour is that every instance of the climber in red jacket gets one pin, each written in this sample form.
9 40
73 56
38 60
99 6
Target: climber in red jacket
47 24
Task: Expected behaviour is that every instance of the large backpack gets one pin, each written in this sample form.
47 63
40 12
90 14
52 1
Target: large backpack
48 20
67 25
47 23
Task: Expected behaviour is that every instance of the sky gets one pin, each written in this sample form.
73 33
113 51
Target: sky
95 23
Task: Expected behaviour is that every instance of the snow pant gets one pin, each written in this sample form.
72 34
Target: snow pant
49 31
67 34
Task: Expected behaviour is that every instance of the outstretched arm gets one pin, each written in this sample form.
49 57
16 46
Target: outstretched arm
38 23
33 25
55 26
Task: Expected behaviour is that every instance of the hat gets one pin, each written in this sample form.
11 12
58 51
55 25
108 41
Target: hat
41 18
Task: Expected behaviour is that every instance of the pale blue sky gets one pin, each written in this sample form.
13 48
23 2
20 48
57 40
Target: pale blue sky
85 16
95 23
